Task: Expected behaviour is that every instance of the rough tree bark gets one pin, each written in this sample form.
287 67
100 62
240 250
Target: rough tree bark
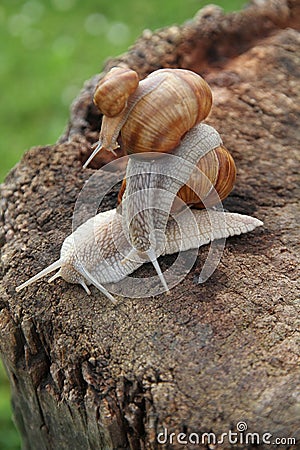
87 375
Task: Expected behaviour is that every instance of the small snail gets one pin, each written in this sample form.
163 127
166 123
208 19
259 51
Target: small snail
152 115
94 253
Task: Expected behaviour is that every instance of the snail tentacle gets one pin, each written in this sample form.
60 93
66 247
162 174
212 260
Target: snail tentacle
89 277
56 275
94 153
41 274
83 284
152 257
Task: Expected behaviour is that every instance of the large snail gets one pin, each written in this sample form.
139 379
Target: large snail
173 157
91 254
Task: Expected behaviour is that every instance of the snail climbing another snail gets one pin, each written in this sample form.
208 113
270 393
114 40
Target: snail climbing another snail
172 155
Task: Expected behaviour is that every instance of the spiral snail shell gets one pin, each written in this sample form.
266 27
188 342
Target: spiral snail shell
110 96
161 118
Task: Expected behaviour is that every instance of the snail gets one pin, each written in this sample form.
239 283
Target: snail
94 252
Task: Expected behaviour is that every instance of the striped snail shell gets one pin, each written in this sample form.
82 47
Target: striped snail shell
161 118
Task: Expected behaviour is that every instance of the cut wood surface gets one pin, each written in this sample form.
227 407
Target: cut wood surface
89 375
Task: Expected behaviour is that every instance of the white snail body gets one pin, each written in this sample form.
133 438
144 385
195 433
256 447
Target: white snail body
96 253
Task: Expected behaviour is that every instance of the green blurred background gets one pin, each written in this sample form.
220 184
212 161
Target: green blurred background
48 48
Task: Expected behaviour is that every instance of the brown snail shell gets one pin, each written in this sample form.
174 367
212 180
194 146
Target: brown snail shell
111 96
160 119
219 169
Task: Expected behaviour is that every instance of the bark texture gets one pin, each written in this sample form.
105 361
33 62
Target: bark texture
87 375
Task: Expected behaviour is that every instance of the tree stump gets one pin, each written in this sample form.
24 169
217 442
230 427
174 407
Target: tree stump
210 358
